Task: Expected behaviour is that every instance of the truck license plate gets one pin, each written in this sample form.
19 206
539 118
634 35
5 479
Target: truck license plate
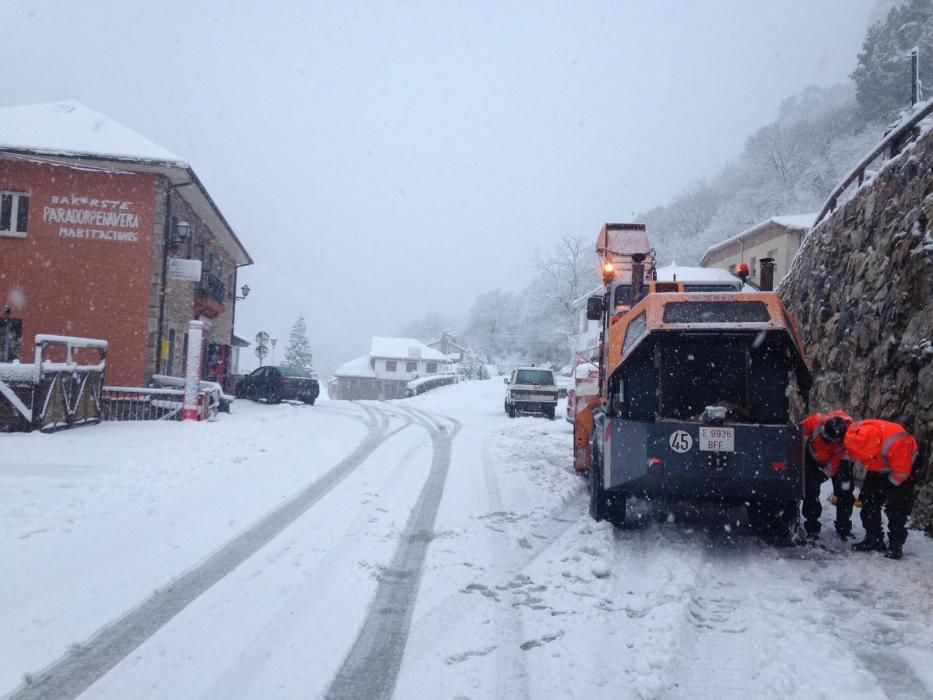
716 439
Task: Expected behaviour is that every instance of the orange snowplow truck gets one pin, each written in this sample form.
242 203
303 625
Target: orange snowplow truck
616 247
694 386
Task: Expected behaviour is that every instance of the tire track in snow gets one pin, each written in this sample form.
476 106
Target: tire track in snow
510 661
746 594
504 584
717 611
883 626
280 621
371 668
88 661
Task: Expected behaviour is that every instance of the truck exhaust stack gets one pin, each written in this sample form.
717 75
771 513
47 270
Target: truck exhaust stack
767 274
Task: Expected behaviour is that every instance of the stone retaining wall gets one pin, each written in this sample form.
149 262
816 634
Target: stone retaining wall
862 290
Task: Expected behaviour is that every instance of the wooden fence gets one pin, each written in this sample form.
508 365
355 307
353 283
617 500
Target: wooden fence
50 395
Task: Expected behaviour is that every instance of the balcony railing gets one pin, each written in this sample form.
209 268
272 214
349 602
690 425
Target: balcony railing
213 287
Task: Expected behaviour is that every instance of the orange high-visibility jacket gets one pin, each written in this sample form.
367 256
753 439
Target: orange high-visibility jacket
826 453
882 446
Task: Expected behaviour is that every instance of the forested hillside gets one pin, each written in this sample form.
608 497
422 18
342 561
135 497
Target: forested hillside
790 165
786 167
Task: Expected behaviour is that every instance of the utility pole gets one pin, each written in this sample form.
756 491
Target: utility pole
915 76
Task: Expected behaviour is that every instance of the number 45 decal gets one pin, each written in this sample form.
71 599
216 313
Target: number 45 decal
681 441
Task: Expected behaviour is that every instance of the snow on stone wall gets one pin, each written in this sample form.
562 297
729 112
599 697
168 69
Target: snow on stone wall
862 290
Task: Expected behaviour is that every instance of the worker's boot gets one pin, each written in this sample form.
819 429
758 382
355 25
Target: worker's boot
895 551
870 544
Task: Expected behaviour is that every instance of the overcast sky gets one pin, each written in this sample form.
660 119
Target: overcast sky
381 160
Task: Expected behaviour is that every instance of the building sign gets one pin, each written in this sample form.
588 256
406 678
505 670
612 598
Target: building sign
91 218
185 270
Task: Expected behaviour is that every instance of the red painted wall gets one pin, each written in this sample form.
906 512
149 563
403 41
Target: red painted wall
85 266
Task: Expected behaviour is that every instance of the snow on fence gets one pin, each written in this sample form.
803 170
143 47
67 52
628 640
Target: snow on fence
219 401
164 401
893 141
49 395
122 403
419 386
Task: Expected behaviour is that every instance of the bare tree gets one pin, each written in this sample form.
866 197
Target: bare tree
567 274
692 211
777 149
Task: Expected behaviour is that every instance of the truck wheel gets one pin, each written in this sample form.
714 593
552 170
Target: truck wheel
603 505
774 521
788 519
549 412
511 410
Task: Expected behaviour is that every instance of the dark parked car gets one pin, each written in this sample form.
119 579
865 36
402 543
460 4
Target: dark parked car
277 383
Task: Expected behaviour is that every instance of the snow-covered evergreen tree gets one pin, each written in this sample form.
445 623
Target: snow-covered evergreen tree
298 352
882 78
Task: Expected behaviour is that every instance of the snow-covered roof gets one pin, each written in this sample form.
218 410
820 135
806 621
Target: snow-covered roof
404 348
71 132
359 367
72 128
796 221
450 343
694 274
792 222
667 274
580 302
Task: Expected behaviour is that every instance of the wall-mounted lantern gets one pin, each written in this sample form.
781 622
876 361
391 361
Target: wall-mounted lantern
181 232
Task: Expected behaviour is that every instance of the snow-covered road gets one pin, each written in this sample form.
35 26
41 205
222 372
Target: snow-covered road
423 548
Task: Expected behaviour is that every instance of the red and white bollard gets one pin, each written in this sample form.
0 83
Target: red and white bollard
189 410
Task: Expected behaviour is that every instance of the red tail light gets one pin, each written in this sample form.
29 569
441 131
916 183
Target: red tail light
778 466
655 465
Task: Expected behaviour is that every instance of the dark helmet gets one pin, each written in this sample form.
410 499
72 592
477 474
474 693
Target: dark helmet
834 429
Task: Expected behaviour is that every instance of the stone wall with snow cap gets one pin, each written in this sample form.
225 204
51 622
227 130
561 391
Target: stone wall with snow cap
861 288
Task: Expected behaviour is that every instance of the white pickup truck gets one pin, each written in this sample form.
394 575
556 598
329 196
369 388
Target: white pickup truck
531 390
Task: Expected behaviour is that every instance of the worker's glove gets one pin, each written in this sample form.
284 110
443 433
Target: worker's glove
858 501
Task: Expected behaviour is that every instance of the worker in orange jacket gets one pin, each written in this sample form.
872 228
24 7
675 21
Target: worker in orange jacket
888 452
825 458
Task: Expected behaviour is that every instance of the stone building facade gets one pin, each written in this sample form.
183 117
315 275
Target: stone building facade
862 291
210 299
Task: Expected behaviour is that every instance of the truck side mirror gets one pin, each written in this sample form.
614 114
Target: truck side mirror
505 380
594 308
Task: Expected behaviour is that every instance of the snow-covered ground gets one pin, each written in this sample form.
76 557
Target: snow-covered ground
429 547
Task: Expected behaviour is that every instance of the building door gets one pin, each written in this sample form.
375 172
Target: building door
170 363
212 363
11 339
